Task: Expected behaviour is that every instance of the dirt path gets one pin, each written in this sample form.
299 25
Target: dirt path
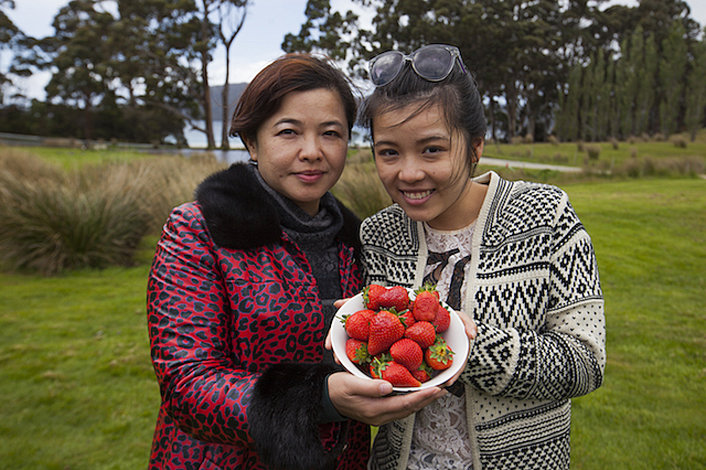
534 166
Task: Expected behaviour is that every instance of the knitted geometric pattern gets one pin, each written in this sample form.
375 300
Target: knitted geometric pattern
534 293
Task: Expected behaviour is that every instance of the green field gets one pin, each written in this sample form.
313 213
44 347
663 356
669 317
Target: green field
79 392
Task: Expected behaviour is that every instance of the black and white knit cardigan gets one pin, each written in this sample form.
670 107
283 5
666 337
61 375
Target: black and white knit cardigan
534 292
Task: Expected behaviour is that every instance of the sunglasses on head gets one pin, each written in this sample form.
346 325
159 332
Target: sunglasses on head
433 63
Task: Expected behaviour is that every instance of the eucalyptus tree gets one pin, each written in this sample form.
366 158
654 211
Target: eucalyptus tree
696 90
9 35
672 73
77 56
231 18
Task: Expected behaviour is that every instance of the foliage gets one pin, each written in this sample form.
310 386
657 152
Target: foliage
89 216
360 188
539 64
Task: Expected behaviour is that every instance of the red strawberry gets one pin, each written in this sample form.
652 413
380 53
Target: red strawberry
425 305
439 356
395 297
385 329
395 373
408 353
422 373
357 324
371 296
357 351
407 318
422 332
442 320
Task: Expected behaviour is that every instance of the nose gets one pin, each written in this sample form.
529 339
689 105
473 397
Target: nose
310 148
409 170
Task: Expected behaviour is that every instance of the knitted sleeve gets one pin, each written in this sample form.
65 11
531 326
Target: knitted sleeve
565 355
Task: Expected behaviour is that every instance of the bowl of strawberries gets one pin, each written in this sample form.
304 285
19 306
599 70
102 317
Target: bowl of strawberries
410 338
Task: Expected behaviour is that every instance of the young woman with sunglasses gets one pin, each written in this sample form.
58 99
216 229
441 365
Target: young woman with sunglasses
241 290
512 256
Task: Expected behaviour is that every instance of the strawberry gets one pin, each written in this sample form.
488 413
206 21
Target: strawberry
408 353
357 351
422 332
385 329
357 324
425 305
422 373
407 318
395 297
439 355
395 373
442 320
371 296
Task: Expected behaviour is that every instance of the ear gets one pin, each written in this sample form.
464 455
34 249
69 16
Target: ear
251 146
478 146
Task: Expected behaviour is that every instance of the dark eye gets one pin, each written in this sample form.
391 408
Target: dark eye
386 153
332 133
286 132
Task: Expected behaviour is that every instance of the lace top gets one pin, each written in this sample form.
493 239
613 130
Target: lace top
440 438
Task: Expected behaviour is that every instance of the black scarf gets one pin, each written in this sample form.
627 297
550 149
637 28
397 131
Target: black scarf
316 237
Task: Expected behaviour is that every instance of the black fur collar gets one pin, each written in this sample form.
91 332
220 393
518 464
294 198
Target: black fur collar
241 215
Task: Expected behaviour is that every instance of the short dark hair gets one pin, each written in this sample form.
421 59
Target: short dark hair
290 73
457 96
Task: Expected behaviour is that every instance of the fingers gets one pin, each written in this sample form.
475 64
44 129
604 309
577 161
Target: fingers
339 303
469 325
371 402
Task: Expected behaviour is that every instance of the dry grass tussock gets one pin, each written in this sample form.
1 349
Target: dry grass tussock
360 189
93 216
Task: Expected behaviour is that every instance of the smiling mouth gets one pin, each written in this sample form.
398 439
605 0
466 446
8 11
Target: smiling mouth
416 195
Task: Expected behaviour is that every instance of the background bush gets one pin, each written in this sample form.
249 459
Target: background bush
92 216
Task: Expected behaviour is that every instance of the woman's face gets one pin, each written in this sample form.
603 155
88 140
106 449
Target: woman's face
301 149
421 163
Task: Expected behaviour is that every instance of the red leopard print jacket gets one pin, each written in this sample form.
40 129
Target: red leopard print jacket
237 333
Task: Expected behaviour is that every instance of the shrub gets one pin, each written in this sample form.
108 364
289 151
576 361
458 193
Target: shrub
53 225
93 216
648 166
593 151
614 143
679 141
361 191
552 139
528 138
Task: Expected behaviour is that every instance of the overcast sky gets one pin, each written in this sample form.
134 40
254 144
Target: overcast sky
257 44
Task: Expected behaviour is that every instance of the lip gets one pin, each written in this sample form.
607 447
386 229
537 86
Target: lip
416 197
309 176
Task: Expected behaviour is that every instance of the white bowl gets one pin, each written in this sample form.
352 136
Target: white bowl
455 336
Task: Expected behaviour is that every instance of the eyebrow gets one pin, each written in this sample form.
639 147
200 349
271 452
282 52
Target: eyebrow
299 123
426 140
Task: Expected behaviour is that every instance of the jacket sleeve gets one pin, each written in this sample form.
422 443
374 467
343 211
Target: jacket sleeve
566 356
206 391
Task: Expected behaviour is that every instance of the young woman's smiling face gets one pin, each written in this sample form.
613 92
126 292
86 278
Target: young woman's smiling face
301 149
422 164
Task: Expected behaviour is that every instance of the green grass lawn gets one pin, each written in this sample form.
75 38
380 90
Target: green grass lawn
650 239
79 392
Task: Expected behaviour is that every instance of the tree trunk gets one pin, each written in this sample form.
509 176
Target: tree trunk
225 145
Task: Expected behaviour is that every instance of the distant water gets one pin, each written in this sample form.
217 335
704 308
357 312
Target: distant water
197 142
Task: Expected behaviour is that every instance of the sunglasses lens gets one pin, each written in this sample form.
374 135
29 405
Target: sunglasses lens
433 63
385 67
